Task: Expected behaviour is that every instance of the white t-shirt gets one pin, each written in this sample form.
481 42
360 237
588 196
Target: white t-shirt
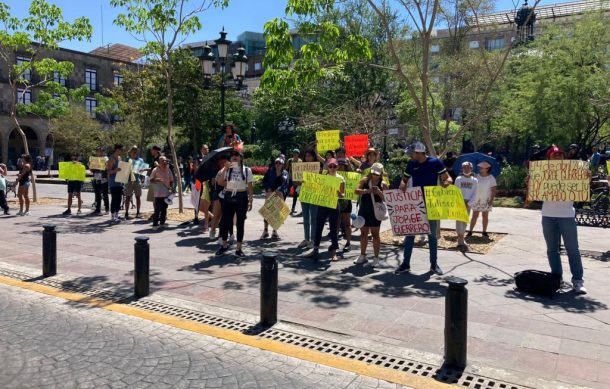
558 209
239 180
483 195
468 186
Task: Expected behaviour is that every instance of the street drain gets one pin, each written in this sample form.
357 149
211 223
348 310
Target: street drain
442 373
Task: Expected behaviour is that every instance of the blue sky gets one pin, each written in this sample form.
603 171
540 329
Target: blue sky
241 15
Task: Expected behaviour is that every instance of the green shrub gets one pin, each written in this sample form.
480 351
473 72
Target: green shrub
512 178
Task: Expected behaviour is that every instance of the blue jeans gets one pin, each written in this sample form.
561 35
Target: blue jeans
310 213
332 214
555 229
432 243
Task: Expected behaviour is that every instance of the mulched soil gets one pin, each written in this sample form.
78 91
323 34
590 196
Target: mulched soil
477 244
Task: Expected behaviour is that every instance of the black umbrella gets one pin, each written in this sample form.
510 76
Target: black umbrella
208 167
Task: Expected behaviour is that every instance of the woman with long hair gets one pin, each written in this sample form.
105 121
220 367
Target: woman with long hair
237 180
24 179
276 182
371 189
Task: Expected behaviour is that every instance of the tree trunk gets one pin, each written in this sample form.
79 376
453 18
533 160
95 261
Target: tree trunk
170 120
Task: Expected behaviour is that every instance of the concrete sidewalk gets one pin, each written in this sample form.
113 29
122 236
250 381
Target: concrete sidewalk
562 340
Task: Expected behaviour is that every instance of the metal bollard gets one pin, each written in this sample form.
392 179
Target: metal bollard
49 250
456 322
141 274
269 289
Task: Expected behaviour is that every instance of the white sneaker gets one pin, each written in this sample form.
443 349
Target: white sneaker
422 239
27 213
19 213
303 244
360 260
212 234
579 287
375 262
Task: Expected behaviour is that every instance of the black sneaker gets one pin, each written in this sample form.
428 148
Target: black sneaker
402 269
67 212
436 270
221 251
239 254
485 234
469 233
347 247
313 254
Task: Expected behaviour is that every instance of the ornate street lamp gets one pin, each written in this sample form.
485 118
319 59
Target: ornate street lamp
238 67
525 20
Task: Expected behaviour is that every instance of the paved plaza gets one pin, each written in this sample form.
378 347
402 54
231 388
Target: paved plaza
564 341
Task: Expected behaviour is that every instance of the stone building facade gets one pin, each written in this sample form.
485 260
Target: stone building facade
100 70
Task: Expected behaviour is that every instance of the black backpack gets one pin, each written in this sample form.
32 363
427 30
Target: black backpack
537 282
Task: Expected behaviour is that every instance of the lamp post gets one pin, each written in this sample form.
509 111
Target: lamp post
238 67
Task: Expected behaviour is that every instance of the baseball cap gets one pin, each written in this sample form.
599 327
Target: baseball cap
296 151
377 169
332 161
554 150
280 160
419 147
466 163
484 164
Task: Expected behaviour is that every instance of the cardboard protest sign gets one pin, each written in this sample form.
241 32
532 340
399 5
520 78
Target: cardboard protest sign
352 179
298 168
97 163
72 171
327 140
319 189
560 180
407 211
445 203
275 211
356 145
123 175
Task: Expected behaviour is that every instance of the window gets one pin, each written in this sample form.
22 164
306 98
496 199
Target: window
473 44
59 78
91 78
492 44
257 66
27 75
24 97
435 48
90 105
117 78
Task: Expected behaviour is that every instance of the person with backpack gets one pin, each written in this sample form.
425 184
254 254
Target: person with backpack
276 181
559 223
423 170
371 189
116 188
237 180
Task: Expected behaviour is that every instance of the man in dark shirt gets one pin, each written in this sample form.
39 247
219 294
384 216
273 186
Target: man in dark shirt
423 171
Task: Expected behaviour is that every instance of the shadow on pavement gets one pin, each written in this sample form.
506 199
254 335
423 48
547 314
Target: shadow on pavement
568 301
407 284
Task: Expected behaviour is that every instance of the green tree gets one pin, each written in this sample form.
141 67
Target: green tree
41 30
76 132
163 25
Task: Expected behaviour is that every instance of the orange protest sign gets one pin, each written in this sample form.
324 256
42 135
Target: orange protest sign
356 145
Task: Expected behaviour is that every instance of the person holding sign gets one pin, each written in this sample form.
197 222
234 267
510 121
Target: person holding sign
484 198
275 181
559 223
345 205
310 211
116 188
134 185
237 180
74 188
467 184
332 214
229 138
423 171
371 189
100 182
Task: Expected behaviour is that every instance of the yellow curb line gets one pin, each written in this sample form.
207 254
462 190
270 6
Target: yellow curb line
337 362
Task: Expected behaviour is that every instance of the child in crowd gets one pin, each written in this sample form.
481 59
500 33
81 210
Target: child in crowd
467 183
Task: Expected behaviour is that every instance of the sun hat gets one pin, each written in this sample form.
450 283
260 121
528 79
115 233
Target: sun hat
484 164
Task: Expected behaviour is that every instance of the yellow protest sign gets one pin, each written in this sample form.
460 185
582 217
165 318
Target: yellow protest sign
607 167
97 163
352 179
71 171
319 189
275 211
298 168
445 203
327 140
560 180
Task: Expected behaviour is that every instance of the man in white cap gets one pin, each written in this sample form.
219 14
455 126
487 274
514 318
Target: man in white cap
424 171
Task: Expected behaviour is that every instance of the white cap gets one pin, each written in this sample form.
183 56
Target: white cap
419 147
377 169
466 163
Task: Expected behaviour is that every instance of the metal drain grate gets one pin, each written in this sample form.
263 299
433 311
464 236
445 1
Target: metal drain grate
443 374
